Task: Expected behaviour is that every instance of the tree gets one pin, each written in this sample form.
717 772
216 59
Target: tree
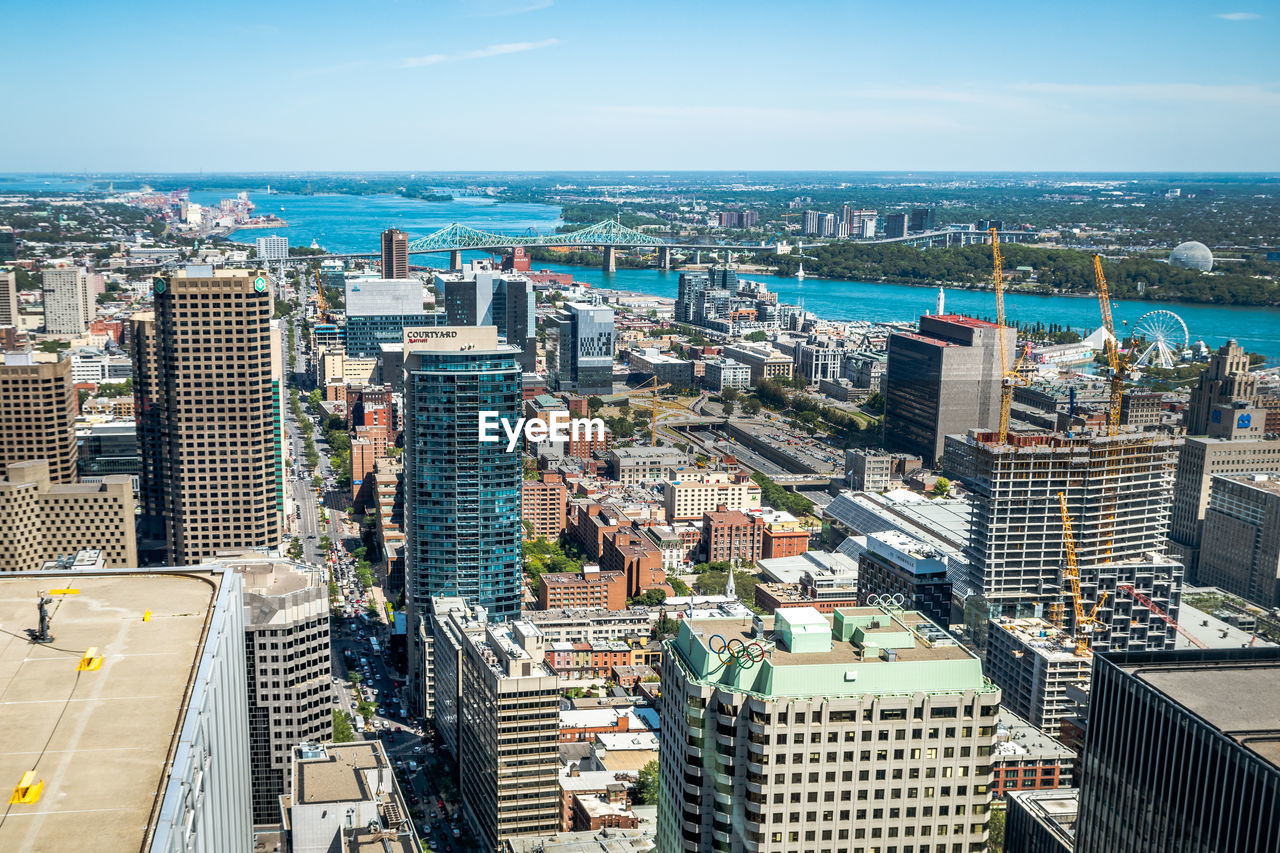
354 677
342 731
941 487
647 785
679 587
648 598
325 543
751 406
729 394
728 408
758 336
295 550
875 403
594 404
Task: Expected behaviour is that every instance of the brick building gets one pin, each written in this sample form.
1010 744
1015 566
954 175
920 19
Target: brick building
544 505
589 588
731 535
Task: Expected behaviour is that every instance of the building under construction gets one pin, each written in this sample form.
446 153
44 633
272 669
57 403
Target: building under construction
1117 490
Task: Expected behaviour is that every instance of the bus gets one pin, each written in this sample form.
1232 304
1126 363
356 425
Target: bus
373 644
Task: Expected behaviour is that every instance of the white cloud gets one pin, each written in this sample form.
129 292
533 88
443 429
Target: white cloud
1180 92
1239 16
479 53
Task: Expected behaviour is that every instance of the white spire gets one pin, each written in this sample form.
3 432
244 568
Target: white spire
942 300
730 588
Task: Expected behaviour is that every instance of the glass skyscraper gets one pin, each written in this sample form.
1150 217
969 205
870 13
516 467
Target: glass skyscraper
462 495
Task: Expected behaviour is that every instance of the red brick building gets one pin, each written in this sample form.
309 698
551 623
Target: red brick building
590 588
590 524
731 535
637 559
782 542
544 504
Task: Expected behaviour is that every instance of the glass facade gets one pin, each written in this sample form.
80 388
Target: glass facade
462 495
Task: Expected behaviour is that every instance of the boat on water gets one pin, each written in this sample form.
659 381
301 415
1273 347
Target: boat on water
800 272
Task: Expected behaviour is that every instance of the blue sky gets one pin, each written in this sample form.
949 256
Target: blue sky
598 84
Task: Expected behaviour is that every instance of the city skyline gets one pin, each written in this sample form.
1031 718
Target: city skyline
1109 88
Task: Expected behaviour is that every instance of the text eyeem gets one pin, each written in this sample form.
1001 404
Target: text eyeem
558 427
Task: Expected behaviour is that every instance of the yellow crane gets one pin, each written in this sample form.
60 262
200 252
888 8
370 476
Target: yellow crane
1113 349
319 295
654 402
1084 624
1011 376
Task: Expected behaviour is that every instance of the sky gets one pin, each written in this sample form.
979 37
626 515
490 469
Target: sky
539 85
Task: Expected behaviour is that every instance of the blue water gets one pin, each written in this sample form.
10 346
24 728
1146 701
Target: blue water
344 223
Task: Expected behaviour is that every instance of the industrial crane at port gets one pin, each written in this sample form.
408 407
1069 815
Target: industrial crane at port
1084 624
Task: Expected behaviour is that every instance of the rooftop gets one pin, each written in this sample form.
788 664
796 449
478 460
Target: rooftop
103 772
1040 638
336 774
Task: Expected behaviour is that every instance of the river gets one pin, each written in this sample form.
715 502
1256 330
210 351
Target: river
343 223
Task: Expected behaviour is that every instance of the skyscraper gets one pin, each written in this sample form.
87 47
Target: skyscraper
895 225
38 415
580 348
1241 552
68 303
378 312
1181 753
462 495
921 219
868 728
477 297
206 388
690 287
8 298
395 254
273 248
942 380
1225 380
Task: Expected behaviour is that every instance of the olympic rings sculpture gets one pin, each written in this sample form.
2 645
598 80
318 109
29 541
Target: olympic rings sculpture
745 655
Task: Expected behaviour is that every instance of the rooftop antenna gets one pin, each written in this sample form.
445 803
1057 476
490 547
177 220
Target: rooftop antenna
41 634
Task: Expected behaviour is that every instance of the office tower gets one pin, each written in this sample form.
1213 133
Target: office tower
273 248
1225 380
68 304
348 800
868 727
38 414
687 493
689 288
812 222
723 277
395 254
1041 821
497 708
42 521
1118 490
921 219
8 244
942 380
764 361
895 225
1181 753
488 298
148 748
289 670
1199 460
9 313
580 349
462 495
109 448
207 399
1241 545
378 312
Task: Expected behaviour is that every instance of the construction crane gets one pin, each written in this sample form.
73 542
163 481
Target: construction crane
654 402
1113 349
1159 611
319 296
1084 624
1012 376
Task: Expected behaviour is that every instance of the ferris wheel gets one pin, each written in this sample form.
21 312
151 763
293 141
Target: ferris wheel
1162 337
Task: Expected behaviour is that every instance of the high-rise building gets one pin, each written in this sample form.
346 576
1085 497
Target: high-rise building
9 314
1118 490
688 290
921 219
273 248
1226 379
379 310
867 728
1199 460
1041 821
150 739
289 669
1241 545
68 302
1181 753
478 297
41 521
580 348
942 380
462 495
497 708
207 397
895 564
395 254
38 414
8 244
895 225
1034 663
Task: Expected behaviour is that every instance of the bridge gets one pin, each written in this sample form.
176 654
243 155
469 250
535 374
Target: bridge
611 235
